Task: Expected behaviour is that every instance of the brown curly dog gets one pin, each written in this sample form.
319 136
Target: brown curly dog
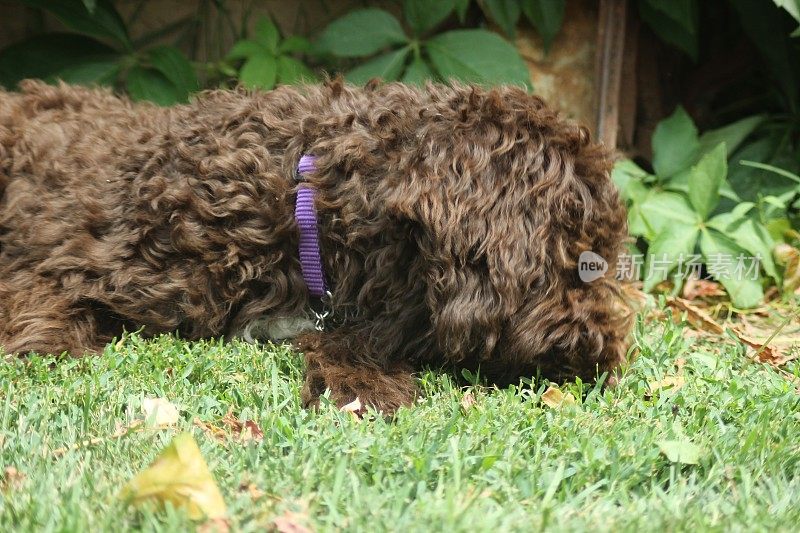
451 219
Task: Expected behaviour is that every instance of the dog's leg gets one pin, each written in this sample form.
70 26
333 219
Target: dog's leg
331 365
37 318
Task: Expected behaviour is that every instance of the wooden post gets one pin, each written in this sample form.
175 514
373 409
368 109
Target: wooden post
608 68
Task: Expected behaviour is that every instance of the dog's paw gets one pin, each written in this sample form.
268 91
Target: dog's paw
356 400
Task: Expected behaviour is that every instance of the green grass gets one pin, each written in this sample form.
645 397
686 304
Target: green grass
507 463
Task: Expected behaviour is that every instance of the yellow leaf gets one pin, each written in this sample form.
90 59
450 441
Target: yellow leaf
467 401
673 382
160 412
553 397
180 476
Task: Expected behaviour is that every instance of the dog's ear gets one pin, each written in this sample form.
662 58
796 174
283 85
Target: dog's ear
474 247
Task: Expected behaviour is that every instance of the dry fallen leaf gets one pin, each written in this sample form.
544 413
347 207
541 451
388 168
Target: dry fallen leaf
668 382
788 257
701 288
211 430
783 341
160 412
120 431
672 381
696 316
252 490
355 408
774 353
553 397
467 401
12 479
291 522
247 430
242 431
180 476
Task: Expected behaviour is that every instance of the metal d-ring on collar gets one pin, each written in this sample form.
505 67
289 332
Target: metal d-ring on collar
305 214
325 313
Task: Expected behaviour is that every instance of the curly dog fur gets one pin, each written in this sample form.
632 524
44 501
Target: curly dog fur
451 221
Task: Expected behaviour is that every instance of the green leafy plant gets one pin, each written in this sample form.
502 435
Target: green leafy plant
267 60
545 15
793 8
99 51
675 22
677 209
475 55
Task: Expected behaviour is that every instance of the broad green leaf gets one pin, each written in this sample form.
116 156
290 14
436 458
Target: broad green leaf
791 6
179 476
726 191
293 44
624 172
666 208
680 183
675 144
732 134
159 34
103 22
674 21
682 12
418 72
637 223
729 264
101 72
742 209
778 227
673 245
546 16
753 183
291 71
705 180
478 56
45 56
244 49
424 15
767 27
388 67
755 238
91 5
361 33
259 72
749 234
771 168
266 34
778 202
176 67
681 451
150 84
505 13
640 191
461 9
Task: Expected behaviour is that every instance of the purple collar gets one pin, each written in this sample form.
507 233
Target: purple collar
306 216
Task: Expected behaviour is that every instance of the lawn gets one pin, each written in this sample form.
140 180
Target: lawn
498 460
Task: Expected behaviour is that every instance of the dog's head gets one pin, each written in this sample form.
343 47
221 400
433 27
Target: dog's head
506 196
